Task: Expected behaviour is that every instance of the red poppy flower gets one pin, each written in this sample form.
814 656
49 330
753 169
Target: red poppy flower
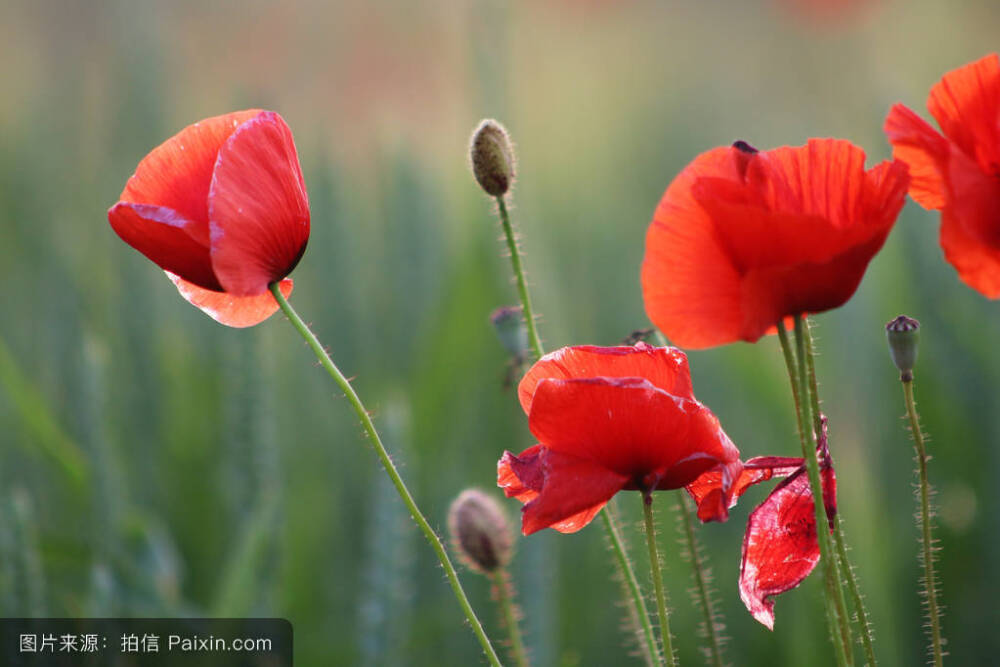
780 546
608 419
743 238
222 208
958 173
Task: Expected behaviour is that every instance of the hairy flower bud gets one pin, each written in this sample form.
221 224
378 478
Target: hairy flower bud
903 334
492 158
479 531
508 322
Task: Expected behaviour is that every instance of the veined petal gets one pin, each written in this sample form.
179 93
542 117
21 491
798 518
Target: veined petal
258 207
229 309
664 367
966 105
780 547
709 490
167 238
923 150
978 265
177 173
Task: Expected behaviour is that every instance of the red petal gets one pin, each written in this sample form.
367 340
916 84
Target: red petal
228 309
177 173
690 287
966 105
708 490
167 238
924 151
780 548
978 264
258 206
570 491
629 426
664 367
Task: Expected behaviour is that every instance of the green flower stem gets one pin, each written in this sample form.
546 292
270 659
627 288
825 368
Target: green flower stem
618 546
796 375
522 285
654 566
610 524
839 540
930 582
701 582
404 493
501 583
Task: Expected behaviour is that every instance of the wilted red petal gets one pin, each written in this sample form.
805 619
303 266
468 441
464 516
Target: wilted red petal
742 239
629 426
177 173
780 547
570 491
966 105
924 150
228 309
664 367
708 491
167 238
258 207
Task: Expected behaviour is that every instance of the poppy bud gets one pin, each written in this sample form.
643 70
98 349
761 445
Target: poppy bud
511 330
492 158
903 334
479 531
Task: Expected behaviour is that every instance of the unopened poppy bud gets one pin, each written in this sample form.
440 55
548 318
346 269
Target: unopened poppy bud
492 158
479 531
508 322
903 334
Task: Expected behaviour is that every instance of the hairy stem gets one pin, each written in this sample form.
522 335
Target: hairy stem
701 582
654 566
502 586
390 469
522 284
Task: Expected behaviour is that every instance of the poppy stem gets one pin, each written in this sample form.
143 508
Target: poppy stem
839 540
504 596
518 269
390 469
654 566
797 377
610 523
701 578
926 541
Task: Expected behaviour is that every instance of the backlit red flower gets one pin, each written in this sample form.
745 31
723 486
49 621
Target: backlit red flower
959 173
742 239
780 546
222 208
608 419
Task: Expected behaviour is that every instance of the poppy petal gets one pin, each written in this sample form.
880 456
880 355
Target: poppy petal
258 207
167 238
978 265
966 105
177 173
707 491
923 150
780 547
665 367
690 287
561 491
228 309
586 417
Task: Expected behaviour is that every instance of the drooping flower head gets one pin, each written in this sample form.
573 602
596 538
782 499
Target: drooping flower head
743 238
222 208
959 173
608 419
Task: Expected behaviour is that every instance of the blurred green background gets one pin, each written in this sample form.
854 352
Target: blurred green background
153 462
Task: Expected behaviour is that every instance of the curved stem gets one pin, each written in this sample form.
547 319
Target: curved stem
610 524
522 285
701 582
390 468
839 540
654 566
501 583
925 524
618 546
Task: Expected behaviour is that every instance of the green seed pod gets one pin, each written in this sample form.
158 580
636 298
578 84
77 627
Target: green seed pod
508 322
904 335
479 531
492 158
